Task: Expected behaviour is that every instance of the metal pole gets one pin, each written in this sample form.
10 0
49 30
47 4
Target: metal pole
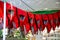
4 20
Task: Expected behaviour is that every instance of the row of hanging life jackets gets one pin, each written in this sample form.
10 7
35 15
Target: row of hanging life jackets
16 17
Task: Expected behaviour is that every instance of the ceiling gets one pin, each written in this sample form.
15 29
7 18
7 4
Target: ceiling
35 5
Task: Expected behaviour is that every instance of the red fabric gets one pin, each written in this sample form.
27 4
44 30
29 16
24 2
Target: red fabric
10 26
24 21
35 28
56 19
40 23
1 9
37 17
9 9
13 18
52 21
58 13
32 21
1 14
6 21
27 26
22 16
2 5
31 18
46 23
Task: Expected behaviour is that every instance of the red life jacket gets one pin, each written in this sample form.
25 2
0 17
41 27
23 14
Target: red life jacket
22 16
27 23
11 12
32 22
39 22
37 17
56 21
50 16
46 22
42 27
23 20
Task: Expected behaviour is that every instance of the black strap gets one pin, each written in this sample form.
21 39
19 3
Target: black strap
17 17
